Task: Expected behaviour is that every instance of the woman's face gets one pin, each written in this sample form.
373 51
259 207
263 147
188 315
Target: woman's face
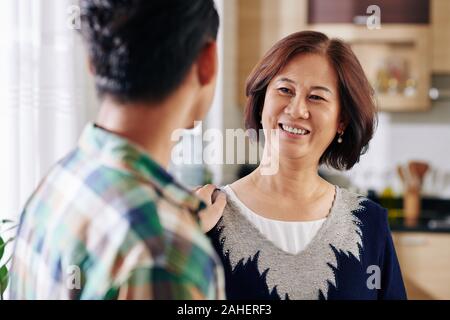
302 101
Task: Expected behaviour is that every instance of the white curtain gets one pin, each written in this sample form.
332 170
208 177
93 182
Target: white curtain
46 94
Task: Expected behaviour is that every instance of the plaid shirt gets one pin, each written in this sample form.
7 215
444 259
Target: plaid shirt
109 223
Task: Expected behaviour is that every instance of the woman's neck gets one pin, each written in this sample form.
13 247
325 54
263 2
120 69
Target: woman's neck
294 180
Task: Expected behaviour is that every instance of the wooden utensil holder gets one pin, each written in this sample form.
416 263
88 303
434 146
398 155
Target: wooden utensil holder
411 207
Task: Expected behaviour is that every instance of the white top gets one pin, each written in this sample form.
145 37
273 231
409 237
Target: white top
289 236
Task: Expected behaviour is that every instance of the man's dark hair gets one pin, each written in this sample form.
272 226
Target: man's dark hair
141 50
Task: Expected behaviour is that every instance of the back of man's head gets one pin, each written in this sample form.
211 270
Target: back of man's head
141 50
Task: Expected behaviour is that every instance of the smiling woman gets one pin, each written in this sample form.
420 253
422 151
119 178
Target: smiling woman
294 235
332 78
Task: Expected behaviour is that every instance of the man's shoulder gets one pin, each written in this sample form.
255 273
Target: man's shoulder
114 201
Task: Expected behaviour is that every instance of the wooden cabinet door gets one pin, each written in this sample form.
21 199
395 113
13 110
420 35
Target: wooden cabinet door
440 22
425 263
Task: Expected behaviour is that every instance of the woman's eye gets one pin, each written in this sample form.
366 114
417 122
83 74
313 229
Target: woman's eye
315 97
285 90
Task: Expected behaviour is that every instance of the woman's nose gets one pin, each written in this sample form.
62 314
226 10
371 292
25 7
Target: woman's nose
297 108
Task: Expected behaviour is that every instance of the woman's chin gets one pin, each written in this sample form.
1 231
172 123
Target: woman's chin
293 152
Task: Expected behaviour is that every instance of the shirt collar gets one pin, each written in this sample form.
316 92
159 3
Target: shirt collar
120 153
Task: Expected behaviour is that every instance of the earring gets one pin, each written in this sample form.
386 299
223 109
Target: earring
340 137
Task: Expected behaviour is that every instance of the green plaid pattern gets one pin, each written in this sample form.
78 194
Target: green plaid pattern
109 223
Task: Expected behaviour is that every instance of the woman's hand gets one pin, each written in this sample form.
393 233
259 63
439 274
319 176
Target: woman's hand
211 215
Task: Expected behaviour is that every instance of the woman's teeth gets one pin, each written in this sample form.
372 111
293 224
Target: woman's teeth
294 130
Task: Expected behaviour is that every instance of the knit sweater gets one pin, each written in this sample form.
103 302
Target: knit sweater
352 256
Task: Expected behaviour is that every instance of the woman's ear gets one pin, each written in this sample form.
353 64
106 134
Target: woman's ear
342 126
207 63
343 123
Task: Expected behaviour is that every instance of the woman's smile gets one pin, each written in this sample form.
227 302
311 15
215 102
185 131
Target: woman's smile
293 131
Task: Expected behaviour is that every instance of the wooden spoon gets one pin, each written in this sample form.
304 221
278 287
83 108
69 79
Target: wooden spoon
418 170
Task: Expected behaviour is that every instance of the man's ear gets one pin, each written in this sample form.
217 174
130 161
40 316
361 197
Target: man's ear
207 63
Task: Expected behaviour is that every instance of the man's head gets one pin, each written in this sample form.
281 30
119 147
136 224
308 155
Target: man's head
142 51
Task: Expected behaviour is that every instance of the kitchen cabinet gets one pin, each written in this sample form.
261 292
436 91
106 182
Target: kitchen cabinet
440 22
395 57
398 58
424 259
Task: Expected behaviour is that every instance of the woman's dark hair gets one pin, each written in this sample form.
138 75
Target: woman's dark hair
358 110
141 50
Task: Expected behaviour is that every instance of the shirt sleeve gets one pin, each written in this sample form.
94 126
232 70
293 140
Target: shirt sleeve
392 286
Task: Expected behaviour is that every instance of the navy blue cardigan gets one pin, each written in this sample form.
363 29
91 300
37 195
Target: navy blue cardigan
352 256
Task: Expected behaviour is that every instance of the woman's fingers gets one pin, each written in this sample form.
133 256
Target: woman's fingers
212 213
205 193
220 202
